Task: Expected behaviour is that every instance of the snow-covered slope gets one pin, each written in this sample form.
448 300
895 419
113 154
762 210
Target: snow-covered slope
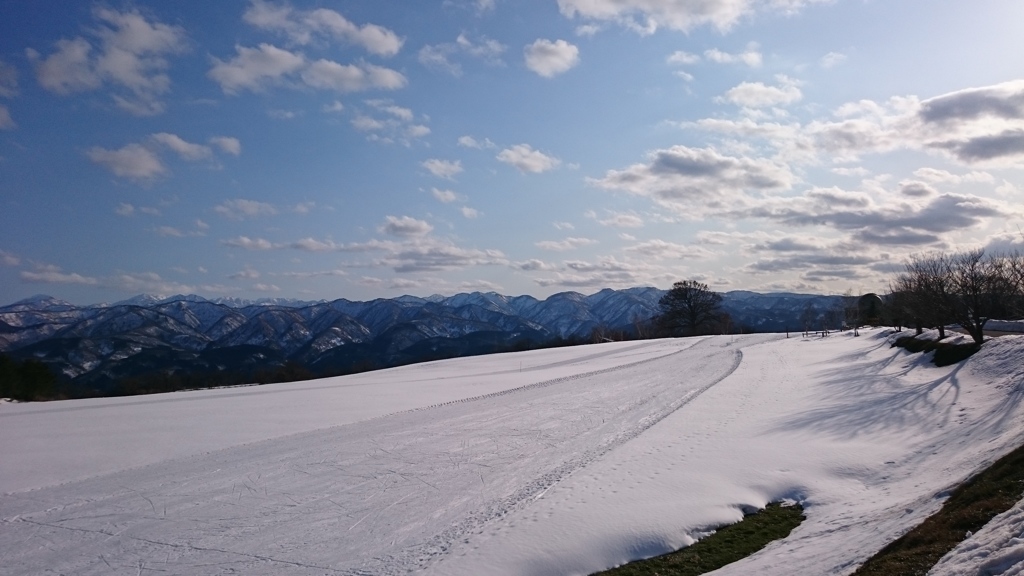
559 461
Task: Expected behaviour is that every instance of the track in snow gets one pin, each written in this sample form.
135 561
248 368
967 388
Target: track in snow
384 496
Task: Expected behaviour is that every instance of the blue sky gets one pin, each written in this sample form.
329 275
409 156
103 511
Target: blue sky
371 149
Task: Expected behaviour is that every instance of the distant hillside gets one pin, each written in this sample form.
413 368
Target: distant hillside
96 346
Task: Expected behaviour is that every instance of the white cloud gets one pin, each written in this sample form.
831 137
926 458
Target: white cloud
405 226
526 159
976 127
646 16
563 225
469 213
915 189
278 114
172 232
8 80
438 256
184 149
417 131
698 181
124 209
858 172
911 220
936 175
334 107
570 243
444 196
130 53
329 75
681 57
53 275
533 265
759 95
6 122
550 59
605 273
8 89
832 59
248 273
368 124
751 57
254 68
248 243
440 56
169 232
311 245
661 249
151 282
301 26
8 259
315 274
241 209
396 123
470 142
303 207
416 252
227 144
388 107
132 161
623 221
442 168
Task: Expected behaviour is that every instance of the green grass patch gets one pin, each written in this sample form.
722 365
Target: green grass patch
969 508
727 545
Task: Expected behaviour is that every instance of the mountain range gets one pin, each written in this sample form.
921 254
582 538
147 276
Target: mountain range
96 346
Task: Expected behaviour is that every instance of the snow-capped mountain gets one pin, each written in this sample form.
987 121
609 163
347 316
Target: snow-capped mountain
185 334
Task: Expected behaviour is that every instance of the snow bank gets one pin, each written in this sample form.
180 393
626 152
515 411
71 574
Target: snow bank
1005 325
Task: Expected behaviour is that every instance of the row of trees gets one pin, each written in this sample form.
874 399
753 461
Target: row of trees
933 291
963 288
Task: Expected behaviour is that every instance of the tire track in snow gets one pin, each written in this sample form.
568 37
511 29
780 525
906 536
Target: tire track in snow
383 496
425 555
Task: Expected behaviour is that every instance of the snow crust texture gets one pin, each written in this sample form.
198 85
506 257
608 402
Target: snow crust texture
549 462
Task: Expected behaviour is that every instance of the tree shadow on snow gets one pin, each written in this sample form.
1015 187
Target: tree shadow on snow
867 396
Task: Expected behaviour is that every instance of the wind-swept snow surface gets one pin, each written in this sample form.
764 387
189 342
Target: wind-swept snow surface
552 462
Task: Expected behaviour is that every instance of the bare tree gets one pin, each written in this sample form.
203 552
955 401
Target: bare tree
808 318
965 288
1014 269
981 290
688 308
932 287
851 315
835 315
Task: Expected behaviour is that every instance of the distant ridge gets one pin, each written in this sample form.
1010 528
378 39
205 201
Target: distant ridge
96 346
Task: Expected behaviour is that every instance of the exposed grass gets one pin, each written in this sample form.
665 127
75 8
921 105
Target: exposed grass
969 507
727 545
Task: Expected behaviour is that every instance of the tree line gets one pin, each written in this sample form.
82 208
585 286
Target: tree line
27 380
965 288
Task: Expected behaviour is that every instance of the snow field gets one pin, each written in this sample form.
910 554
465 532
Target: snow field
587 458
55 442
